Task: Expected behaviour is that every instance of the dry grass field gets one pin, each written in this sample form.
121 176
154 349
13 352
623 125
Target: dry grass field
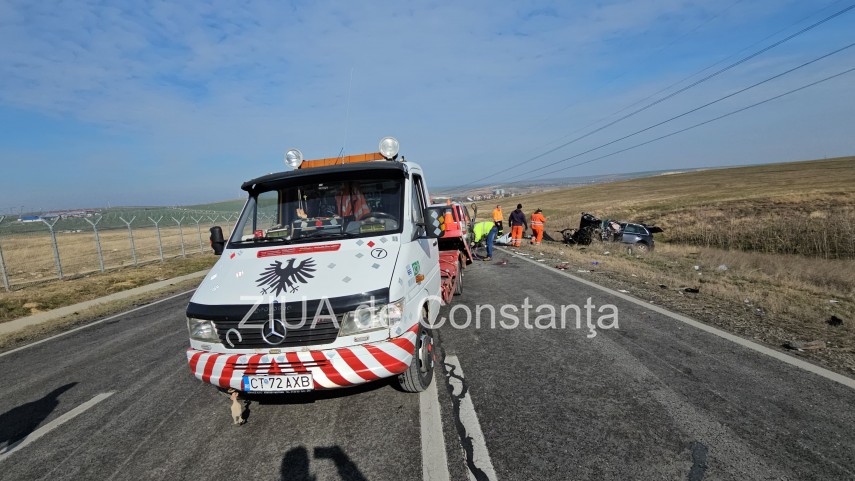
794 208
55 293
785 232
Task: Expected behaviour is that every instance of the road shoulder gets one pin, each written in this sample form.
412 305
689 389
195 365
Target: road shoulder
26 330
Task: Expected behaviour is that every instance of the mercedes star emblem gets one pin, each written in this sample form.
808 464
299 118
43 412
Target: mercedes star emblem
273 332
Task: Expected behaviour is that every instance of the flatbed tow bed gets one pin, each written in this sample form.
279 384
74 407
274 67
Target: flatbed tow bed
454 251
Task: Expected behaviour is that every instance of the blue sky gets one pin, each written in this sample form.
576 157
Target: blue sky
141 103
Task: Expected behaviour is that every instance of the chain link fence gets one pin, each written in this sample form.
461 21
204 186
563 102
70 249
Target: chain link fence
68 246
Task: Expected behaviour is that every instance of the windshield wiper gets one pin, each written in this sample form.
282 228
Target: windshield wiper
317 233
265 238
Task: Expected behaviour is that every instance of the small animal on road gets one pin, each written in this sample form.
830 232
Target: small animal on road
237 409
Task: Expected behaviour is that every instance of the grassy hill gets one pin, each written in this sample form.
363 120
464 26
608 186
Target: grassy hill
796 208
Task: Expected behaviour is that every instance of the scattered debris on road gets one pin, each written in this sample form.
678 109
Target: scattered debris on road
805 346
834 321
691 290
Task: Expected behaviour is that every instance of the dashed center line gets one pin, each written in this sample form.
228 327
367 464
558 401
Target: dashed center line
38 433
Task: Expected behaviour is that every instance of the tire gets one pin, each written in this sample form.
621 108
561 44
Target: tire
641 248
419 374
459 287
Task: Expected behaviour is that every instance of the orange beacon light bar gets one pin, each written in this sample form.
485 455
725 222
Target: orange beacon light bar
348 159
389 148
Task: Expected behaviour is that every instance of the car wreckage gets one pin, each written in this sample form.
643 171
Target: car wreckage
593 229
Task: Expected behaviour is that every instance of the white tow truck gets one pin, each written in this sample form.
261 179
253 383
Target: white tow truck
330 278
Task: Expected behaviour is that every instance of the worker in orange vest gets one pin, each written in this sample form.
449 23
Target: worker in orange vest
498 217
518 226
537 224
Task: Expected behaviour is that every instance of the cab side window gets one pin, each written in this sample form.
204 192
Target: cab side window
418 200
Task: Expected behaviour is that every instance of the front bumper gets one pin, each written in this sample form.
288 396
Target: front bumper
330 369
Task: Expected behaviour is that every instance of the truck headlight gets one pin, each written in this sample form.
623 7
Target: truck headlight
202 330
372 318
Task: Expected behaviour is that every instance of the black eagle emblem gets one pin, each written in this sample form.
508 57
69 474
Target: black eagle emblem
276 279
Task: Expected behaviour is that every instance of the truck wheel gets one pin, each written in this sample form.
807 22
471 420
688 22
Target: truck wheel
458 289
419 374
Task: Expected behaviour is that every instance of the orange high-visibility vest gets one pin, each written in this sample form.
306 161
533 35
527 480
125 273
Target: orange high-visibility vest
351 202
497 215
537 220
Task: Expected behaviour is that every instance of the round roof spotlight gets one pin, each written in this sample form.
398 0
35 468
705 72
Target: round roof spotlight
389 147
293 158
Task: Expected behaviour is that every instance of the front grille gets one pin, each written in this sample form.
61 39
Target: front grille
299 366
324 331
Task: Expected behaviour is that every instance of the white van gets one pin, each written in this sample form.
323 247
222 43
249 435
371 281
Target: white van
330 279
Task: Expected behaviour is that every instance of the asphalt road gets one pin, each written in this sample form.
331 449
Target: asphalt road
652 399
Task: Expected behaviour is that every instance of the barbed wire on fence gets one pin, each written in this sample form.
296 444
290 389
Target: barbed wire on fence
55 245
131 237
157 229
27 255
199 231
3 272
97 241
181 235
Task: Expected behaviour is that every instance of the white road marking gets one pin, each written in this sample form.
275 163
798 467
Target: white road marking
469 419
434 460
830 375
151 433
95 323
38 433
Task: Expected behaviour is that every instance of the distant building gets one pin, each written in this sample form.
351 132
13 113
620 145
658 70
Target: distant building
29 218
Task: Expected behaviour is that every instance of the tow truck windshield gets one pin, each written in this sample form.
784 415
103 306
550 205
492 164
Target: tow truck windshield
308 212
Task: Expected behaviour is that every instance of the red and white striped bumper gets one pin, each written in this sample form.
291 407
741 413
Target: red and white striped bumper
332 368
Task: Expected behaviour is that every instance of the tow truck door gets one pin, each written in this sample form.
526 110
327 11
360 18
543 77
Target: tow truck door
424 252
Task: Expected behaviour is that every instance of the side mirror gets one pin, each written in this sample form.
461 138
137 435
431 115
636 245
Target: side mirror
434 226
218 243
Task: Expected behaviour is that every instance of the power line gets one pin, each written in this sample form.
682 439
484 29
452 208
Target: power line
648 56
665 89
673 94
803 87
681 37
774 77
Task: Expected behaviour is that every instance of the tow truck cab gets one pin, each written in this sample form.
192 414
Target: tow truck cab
330 279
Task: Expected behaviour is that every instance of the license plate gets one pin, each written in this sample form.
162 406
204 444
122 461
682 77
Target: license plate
286 383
